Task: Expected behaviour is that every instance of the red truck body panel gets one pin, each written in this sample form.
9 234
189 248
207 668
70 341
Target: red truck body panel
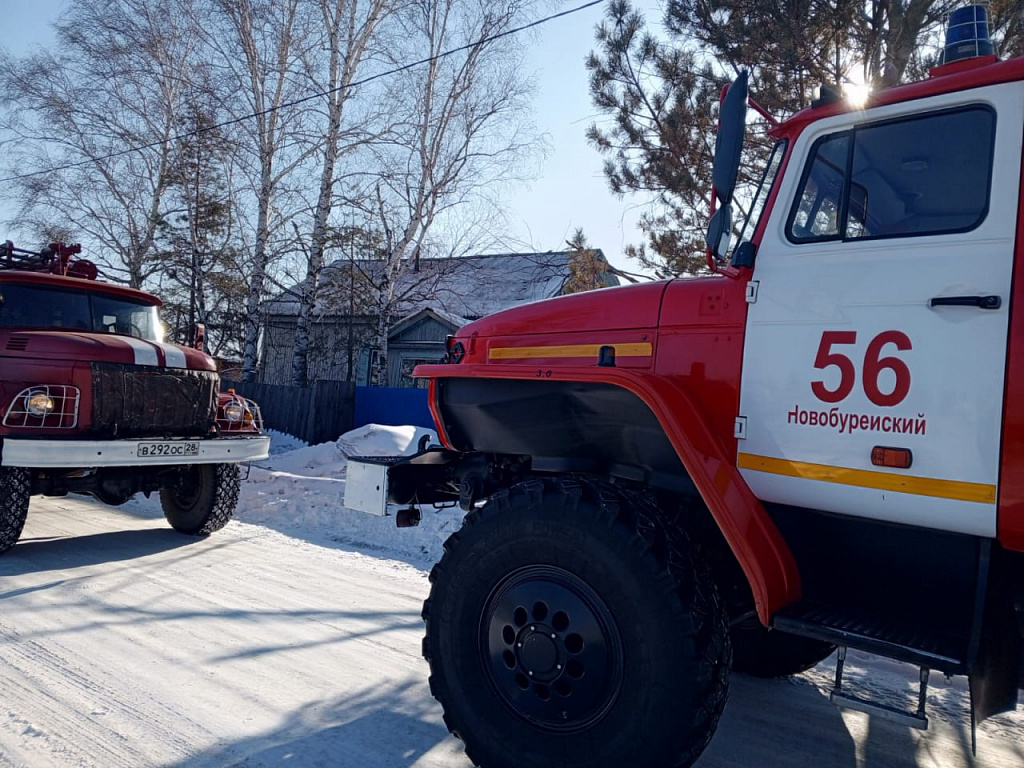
679 349
1011 480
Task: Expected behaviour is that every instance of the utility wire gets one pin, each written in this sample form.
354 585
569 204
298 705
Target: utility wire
304 99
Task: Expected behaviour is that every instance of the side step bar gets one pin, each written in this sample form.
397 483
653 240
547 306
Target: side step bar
845 700
942 651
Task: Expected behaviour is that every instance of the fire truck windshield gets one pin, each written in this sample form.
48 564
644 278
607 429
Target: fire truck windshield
37 307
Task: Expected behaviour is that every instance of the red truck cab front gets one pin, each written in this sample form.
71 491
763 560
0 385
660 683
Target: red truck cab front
93 401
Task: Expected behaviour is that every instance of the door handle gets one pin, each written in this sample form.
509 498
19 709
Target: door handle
981 302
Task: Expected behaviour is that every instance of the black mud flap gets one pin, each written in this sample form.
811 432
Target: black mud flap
995 676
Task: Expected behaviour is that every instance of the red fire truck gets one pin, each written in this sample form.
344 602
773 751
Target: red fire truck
820 447
93 401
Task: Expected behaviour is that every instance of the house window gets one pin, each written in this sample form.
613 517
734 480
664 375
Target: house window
408 364
924 175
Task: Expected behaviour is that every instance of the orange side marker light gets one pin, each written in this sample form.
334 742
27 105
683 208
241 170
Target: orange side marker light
898 458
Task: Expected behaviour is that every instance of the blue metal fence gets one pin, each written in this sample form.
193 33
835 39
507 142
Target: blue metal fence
392 406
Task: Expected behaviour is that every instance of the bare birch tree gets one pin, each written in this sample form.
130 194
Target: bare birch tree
460 131
259 44
117 81
349 28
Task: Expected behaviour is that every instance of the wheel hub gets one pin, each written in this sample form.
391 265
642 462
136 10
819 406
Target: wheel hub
538 652
551 648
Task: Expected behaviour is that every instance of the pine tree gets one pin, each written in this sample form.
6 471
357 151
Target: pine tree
587 267
661 93
201 279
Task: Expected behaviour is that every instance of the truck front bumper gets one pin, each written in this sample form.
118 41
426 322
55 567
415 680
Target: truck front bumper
47 454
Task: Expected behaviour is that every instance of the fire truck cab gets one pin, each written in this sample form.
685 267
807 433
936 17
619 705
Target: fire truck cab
93 401
820 447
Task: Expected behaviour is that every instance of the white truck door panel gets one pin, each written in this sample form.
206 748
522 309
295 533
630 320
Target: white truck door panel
844 351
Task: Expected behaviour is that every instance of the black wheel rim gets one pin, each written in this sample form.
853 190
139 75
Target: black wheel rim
189 488
551 649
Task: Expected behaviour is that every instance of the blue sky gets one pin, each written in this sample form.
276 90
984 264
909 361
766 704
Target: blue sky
570 190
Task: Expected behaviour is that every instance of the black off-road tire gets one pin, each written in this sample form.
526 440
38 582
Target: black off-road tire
15 488
568 626
763 652
204 500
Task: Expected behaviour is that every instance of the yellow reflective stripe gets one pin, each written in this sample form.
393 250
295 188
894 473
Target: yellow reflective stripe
866 478
639 349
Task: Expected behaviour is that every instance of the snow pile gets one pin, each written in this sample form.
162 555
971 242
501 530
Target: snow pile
282 442
301 492
377 440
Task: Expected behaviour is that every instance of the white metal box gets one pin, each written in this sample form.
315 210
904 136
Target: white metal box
366 485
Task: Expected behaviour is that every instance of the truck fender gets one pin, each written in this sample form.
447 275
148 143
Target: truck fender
750 532
752 535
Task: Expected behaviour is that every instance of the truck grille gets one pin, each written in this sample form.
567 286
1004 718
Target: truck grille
135 401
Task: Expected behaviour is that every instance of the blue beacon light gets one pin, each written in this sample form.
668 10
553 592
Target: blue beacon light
967 35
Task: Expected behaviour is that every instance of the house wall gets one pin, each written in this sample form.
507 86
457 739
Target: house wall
328 353
428 329
420 342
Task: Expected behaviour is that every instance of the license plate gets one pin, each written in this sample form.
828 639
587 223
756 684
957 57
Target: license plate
179 448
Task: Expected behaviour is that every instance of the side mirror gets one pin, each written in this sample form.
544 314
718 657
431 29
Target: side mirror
720 233
199 339
732 117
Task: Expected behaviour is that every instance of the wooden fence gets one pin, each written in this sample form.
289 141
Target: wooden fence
316 414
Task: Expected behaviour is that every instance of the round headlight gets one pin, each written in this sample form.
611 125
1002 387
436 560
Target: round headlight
234 412
38 404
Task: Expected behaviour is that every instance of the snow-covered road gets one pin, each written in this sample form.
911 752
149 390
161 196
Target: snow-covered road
291 638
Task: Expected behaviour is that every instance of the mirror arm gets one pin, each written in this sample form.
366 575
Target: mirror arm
763 112
708 253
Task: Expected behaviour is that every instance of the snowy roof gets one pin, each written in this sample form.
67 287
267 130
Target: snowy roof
461 288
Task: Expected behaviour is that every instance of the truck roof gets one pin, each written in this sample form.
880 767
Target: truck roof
948 78
93 286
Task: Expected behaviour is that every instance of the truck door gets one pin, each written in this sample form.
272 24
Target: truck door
875 350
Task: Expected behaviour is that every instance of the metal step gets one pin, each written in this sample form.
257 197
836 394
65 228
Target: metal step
883 711
912 641
846 700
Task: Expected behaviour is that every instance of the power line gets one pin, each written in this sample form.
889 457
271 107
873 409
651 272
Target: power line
312 97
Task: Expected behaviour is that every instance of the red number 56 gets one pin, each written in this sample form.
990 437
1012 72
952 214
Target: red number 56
873 366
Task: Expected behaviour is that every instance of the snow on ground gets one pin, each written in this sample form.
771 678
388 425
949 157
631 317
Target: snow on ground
281 442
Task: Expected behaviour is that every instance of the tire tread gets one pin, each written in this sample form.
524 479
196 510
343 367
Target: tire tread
15 489
647 530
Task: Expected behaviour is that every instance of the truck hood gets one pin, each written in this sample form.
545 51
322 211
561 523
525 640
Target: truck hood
100 347
620 308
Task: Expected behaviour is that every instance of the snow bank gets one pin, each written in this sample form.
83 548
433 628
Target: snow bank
281 442
301 492
378 440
